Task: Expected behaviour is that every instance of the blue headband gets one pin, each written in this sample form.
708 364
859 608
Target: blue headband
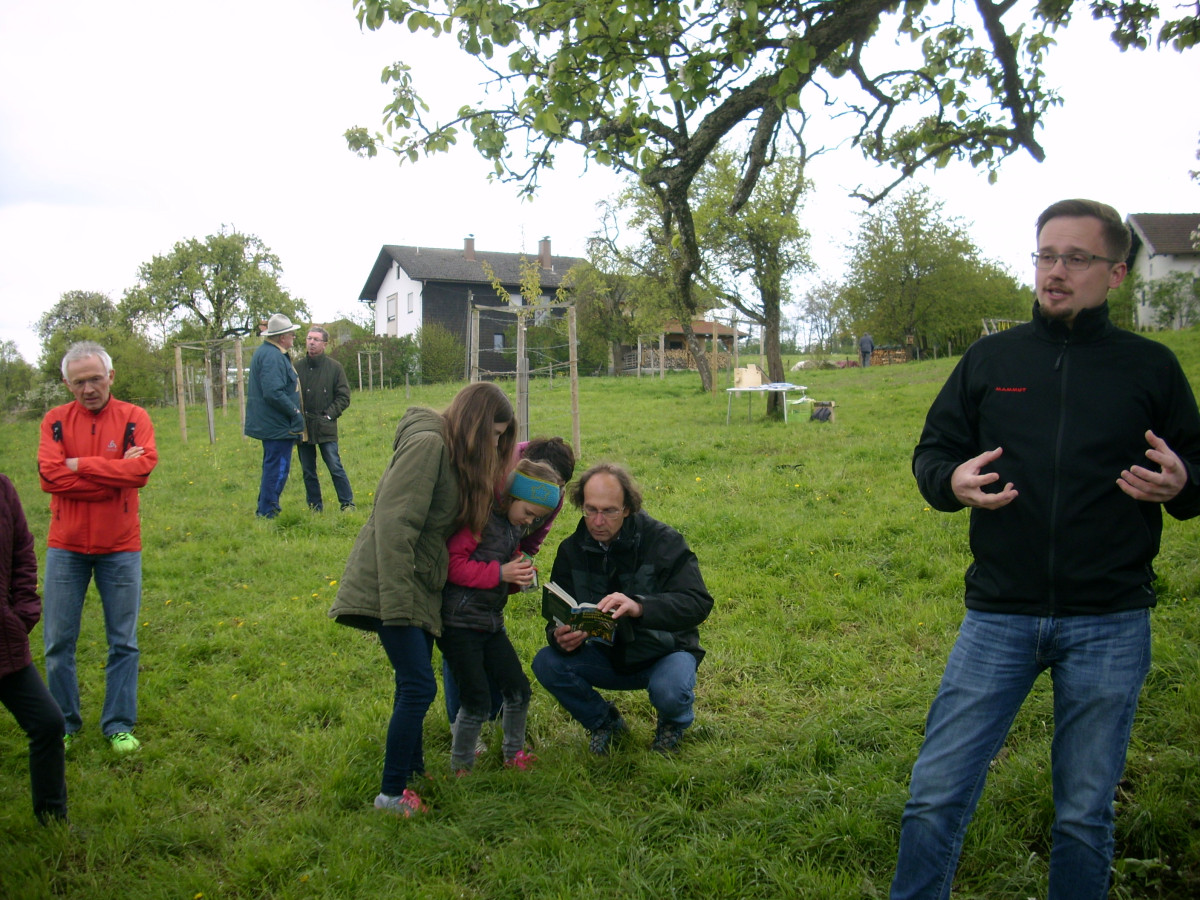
535 491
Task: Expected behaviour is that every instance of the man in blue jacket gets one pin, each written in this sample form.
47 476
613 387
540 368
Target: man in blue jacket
273 410
1067 437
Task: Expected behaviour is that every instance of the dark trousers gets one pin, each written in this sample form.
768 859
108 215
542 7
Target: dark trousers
410 651
337 473
480 660
25 695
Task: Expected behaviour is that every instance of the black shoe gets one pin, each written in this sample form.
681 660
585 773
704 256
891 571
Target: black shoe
316 507
348 507
667 737
603 737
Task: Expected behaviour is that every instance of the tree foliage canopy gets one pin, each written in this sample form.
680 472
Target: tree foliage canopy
915 272
221 287
655 87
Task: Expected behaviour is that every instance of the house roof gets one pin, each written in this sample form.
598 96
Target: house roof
1164 234
464 265
700 326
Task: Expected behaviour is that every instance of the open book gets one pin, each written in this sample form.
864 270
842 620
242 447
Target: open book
560 608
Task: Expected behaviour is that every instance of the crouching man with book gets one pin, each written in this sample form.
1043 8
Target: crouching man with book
643 574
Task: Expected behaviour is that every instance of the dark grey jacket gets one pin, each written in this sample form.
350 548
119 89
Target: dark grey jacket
326 394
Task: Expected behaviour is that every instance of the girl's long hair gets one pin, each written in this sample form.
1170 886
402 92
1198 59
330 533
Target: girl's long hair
481 466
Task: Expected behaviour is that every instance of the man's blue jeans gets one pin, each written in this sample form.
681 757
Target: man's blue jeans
1097 664
410 651
337 473
573 678
276 465
119 581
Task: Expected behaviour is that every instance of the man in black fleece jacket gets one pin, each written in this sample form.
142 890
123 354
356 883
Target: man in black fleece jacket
1040 430
644 574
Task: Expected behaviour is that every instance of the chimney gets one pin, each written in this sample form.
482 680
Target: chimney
544 253
469 248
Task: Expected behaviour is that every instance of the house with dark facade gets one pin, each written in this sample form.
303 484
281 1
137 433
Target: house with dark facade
1163 244
410 287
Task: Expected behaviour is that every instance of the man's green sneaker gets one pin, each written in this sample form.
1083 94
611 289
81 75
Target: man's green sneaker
124 742
68 739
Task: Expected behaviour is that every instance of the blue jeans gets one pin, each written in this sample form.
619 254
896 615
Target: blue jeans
337 473
410 651
573 678
276 465
119 581
1097 664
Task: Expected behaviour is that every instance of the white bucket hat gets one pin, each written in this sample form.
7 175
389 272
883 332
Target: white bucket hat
279 324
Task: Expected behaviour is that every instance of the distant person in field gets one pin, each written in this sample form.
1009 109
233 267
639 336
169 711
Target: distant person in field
444 473
485 567
326 394
1067 437
94 454
644 573
273 410
866 346
22 690
558 454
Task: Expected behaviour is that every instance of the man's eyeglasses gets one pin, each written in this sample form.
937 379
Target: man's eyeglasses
611 513
1074 262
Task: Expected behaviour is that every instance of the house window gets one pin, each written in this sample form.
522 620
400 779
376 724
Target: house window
498 340
516 300
391 308
410 302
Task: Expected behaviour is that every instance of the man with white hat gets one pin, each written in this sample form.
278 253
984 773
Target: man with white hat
273 410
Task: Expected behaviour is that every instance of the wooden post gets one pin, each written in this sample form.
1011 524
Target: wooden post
574 366
639 362
522 382
662 354
224 384
241 383
713 368
474 345
208 407
360 354
179 397
735 349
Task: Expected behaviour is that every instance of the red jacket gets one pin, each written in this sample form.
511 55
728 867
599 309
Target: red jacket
94 510
20 606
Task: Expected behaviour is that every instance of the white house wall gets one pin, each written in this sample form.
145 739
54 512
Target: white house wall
1152 268
398 283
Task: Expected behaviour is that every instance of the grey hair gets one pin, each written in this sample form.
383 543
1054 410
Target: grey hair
321 331
84 350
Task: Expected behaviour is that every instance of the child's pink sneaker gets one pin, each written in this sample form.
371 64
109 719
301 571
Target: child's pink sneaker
522 760
404 805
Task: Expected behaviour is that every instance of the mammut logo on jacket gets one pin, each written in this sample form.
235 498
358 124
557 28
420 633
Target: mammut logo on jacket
1011 390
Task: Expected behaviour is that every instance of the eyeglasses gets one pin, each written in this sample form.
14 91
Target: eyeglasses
590 512
1074 262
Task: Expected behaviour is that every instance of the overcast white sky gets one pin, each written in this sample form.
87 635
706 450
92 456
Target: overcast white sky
130 125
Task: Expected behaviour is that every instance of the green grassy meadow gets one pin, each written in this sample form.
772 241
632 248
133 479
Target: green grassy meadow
838 597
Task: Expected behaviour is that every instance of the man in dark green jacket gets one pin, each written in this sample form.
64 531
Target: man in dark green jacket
644 574
326 394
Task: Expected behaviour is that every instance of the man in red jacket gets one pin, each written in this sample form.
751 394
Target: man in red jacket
94 454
